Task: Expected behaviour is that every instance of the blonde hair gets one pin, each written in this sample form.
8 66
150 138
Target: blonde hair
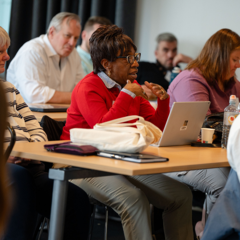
4 38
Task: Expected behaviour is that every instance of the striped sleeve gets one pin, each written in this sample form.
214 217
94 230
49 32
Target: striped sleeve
21 118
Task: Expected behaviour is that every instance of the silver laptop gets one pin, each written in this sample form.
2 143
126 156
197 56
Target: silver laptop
184 123
48 107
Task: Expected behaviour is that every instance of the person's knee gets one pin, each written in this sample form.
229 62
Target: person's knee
132 203
184 198
19 174
21 180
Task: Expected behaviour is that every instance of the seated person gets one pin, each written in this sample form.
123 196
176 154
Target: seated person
4 206
47 68
224 220
29 180
111 92
210 77
92 24
167 57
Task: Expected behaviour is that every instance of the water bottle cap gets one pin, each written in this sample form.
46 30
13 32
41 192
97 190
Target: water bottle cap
176 70
233 97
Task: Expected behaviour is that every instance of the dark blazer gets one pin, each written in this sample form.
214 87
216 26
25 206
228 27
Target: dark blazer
152 72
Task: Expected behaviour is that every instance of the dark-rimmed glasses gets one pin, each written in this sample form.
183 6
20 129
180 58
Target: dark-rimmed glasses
131 58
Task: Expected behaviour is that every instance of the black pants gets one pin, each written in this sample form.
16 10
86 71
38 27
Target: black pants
32 194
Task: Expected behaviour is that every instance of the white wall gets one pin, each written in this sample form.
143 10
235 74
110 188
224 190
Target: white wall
192 21
5 10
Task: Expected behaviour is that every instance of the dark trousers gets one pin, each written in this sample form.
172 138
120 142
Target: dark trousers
32 194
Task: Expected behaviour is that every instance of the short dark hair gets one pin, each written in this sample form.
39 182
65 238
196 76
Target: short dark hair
96 20
106 42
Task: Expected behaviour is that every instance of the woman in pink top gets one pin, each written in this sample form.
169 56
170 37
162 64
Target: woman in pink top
210 77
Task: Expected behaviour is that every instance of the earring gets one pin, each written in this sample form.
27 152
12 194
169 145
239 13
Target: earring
109 73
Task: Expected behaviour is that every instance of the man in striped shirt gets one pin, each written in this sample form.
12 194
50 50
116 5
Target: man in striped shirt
32 189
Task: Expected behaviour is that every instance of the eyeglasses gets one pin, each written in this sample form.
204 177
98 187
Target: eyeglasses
131 58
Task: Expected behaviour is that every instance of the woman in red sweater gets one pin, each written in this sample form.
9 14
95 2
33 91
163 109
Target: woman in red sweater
111 92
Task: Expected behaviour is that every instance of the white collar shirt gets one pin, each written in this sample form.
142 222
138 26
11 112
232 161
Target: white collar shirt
36 71
109 83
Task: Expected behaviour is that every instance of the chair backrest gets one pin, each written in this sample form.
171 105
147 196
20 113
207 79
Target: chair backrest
12 141
52 128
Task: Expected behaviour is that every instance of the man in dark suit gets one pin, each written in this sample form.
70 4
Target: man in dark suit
167 57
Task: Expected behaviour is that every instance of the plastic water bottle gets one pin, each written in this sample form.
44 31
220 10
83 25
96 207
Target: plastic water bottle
230 113
174 73
236 103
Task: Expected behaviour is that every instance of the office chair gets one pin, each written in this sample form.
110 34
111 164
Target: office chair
96 203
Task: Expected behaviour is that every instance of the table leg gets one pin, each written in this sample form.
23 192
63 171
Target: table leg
59 196
57 217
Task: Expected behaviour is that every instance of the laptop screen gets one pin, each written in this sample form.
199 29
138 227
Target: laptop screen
184 123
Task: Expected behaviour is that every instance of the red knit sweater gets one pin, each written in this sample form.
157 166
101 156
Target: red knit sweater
92 102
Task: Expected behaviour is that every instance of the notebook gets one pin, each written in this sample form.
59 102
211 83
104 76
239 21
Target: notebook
184 123
132 157
48 107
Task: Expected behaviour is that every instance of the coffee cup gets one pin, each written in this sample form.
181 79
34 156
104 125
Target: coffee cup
207 135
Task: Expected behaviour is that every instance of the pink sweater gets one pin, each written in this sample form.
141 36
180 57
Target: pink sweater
190 85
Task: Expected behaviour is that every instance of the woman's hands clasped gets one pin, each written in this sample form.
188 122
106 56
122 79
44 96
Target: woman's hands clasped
156 89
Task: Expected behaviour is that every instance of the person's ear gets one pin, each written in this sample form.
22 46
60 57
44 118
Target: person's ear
155 53
84 34
107 65
51 32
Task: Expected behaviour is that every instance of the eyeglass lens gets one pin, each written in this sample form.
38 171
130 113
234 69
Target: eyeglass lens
132 58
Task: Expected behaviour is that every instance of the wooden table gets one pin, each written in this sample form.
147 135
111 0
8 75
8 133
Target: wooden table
180 158
58 116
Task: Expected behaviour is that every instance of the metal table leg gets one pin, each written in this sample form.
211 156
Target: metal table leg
59 196
58 210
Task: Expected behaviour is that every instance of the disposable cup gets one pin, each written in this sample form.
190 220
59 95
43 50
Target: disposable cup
207 135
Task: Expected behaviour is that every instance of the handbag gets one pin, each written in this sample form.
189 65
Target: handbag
120 135
215 121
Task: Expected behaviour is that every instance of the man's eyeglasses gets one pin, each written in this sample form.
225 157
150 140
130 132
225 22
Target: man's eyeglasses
131 58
